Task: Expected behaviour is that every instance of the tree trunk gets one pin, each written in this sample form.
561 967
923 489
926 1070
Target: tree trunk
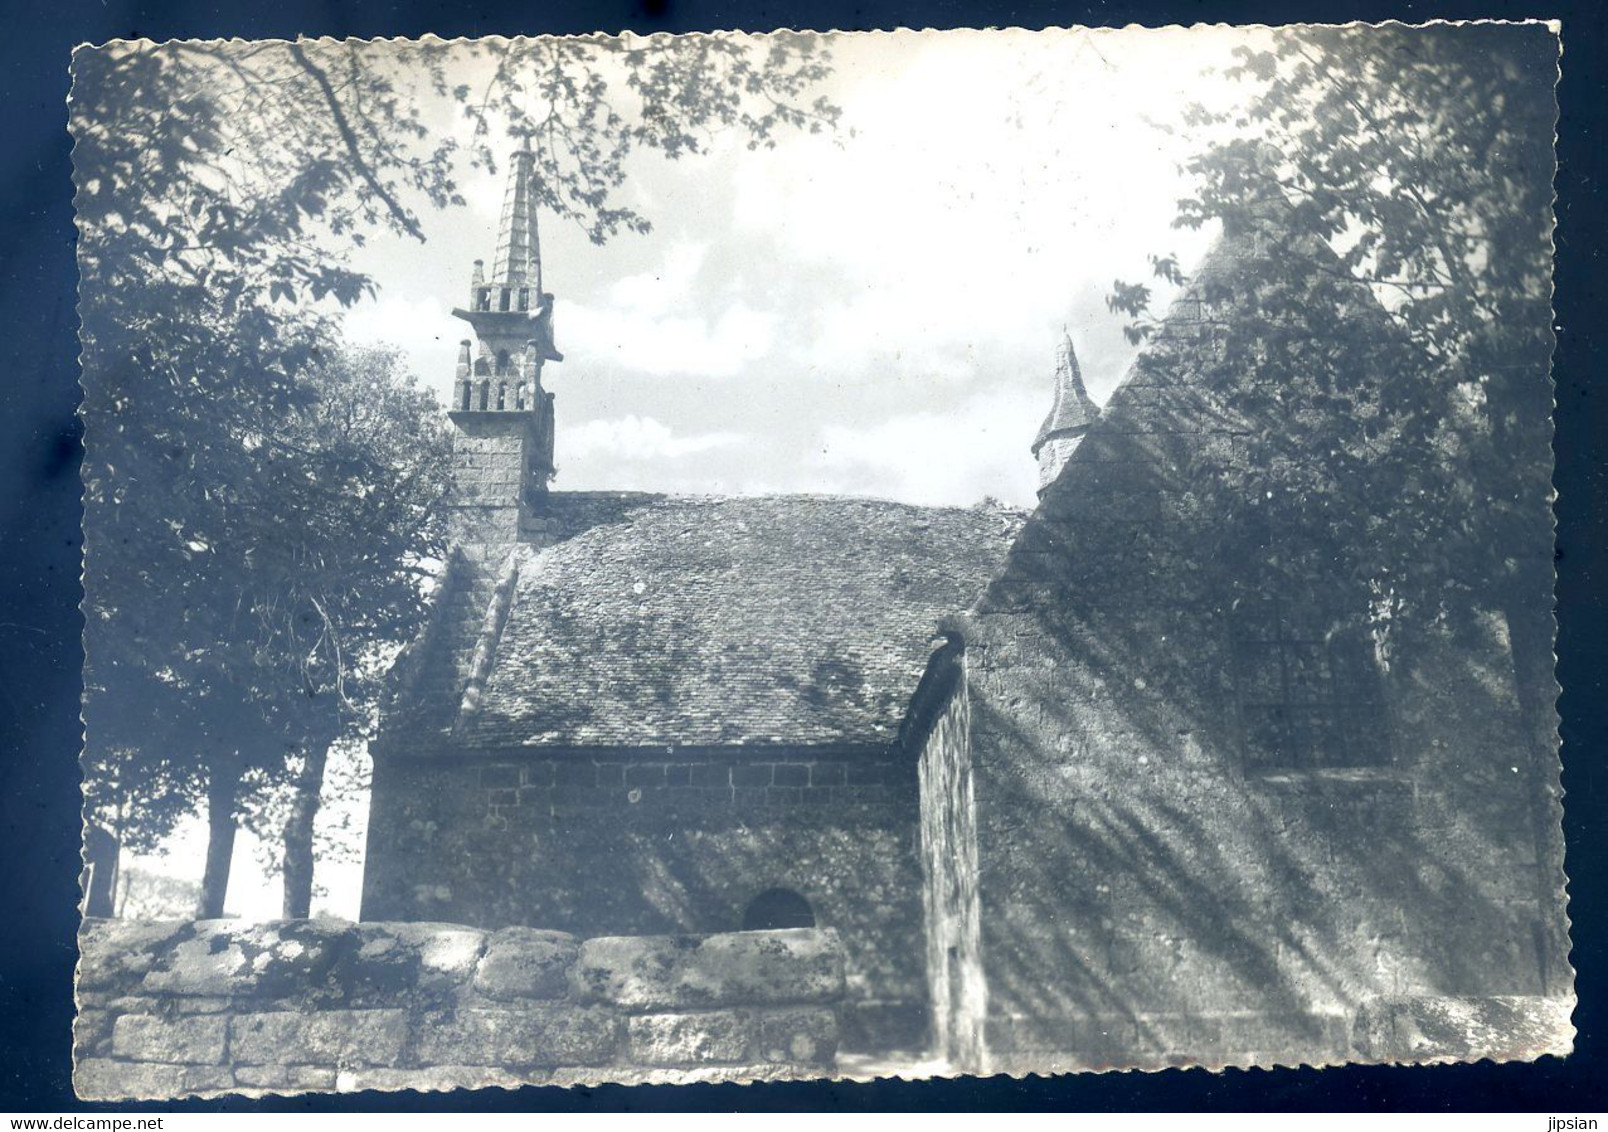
299 861
1531 639
101 850
222 785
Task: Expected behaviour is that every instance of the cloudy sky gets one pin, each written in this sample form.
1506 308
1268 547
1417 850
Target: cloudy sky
875 312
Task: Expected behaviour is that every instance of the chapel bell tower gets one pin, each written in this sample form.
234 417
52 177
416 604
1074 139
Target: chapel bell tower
503 450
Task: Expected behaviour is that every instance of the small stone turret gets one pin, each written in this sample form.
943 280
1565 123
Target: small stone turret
1070 417
503 451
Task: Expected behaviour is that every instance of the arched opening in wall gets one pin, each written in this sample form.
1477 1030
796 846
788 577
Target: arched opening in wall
778 908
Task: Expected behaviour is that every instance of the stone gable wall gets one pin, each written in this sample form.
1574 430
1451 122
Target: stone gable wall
199 1009
1148 894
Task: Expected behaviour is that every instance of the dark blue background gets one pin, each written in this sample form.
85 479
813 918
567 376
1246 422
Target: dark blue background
39 555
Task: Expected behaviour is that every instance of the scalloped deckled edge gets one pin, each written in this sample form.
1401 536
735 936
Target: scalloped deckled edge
714 1075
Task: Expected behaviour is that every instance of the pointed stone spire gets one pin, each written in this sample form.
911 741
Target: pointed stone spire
1070 417
509 309
503 451
519 256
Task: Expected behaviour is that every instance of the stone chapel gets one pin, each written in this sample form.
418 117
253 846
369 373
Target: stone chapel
1110 784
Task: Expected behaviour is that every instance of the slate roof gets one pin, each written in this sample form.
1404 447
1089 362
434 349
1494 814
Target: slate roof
718 621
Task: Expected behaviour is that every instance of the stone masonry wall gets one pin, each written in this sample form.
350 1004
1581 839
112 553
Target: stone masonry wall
645 842
169 1009
491 476
1155 889
956 985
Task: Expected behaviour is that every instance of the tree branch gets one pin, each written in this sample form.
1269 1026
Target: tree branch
398 213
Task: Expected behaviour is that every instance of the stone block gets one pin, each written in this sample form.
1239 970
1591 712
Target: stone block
526 963
286 1078
575 773
200 1004
1440 1028
868 773
92 1032
448 953
327 1037
499 775
227 959
877 1026
751 774
197 1039
537 1034
707 1038
642 973
103 1079
645 774
828 774
113 954
791 774
377 963
428 1079
803 1036
710 775
536 774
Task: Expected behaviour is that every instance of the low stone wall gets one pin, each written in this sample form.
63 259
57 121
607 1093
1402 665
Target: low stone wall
1384 1029
183 1008
1423 1029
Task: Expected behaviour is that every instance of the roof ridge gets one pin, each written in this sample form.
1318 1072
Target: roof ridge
810 496
491 631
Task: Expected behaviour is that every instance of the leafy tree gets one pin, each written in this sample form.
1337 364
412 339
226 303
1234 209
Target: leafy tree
357 478
144 895
1418 162
230 604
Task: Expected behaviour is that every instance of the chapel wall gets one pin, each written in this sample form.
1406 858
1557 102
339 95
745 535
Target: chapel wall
653 842
1150 893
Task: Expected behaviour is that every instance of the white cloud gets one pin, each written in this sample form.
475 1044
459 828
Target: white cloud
423 329
978 448
726 344
654 292
410 323
639 438
665 321
984 191
979 186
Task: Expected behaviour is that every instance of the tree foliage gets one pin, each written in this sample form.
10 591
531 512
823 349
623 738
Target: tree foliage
258 502
1416 161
